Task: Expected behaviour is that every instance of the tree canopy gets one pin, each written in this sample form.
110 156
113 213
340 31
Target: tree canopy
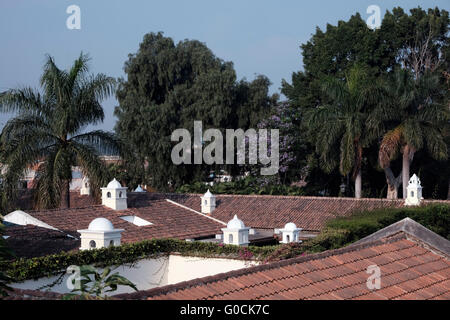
48 132
417 42
167 87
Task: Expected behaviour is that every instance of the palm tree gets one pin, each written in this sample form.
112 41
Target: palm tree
47 132
415 121
340 127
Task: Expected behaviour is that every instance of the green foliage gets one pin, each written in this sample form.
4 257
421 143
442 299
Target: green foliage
93 283
170 85
34 268
47 132
435 217
333 52
340 130
344 231
248 185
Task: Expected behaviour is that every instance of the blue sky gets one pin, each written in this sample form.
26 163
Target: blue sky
259 36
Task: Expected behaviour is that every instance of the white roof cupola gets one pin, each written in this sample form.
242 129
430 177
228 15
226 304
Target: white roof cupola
208 202
114 196
290 233
414 192
100 234
236 232
85 187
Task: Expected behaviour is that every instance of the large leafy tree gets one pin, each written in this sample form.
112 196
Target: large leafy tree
333 51
48 131
168 86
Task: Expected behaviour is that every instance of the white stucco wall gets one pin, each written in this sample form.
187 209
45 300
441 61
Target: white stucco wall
151 273
188 268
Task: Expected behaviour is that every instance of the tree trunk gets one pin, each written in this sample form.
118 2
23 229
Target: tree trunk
393 183
405 170
392 193
358 184
408 155
65 195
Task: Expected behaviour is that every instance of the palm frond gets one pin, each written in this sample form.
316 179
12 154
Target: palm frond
390 146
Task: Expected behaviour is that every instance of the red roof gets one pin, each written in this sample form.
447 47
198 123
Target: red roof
408 271
270 212
264 211
168 221
32 241
21 294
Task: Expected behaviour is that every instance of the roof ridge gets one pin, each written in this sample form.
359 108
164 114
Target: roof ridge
63 209
263 267
195 211
287 197
412 228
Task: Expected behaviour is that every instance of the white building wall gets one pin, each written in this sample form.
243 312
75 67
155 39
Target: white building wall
188 268
151 273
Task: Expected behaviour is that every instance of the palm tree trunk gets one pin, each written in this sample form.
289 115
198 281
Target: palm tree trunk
408 154
358 183
393 183
65 195
405 170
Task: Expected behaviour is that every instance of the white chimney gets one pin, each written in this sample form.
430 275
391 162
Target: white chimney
236 233
414 192
85 187
114 196
290 233
208 202
100 234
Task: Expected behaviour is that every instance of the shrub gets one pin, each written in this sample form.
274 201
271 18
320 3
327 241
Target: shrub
435 217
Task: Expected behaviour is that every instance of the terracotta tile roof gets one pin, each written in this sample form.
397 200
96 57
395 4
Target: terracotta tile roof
32 241
408 271
270 212
309 213
168 221
25 200
21 294
259 211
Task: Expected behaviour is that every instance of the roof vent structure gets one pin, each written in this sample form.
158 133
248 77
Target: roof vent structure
414 192
114 196
290 233
100 234
236 232
208 202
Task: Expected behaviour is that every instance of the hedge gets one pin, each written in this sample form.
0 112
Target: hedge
342 231
435 217
34 268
